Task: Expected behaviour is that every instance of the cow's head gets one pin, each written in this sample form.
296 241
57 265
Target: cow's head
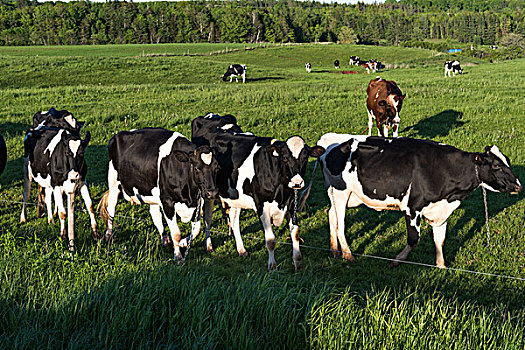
58 119
73 160
390 108
203 169
211 123
293 157
494 171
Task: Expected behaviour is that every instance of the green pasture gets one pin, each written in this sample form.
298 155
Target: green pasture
133 295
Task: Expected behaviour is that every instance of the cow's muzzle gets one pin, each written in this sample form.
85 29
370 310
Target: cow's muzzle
296 182
210 194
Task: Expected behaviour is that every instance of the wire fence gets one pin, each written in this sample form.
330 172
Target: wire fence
304 246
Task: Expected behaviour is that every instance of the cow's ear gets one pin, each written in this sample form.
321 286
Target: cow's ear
182 156
488 148
402 97
273 150
80 125
478 159
382 103
86 139
346 147
316 151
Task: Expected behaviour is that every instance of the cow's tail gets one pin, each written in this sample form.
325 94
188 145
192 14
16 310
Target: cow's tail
306 192
103 208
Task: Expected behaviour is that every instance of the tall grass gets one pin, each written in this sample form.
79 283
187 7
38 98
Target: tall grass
132 295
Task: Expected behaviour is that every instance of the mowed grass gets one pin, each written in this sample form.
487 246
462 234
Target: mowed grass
133 294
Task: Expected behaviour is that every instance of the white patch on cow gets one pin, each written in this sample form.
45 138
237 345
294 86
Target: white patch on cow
44 112
273 141
42 181
227 126
165 150
413 222
246 172
377 94
138 198
296 145
210 115
184 212
276 214
331 140
518 182
54 142
206 158
71 120
437 213
495 151
74 145
296 182
375 191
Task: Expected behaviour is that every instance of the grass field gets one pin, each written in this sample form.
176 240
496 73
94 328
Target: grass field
134 296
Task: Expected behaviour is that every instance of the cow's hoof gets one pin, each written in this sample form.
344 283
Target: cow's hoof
336 253
95 234
298 264
165 240
272 266
394 264
63 235
51 221
441 266
209 249
71 248
349 257
243 253
108 237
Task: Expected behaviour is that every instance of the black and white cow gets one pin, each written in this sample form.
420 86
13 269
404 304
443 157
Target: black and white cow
336 64
54 159
164 169
308 67
422 178
235 70
259 173
61 119
452 66
3 154
354 60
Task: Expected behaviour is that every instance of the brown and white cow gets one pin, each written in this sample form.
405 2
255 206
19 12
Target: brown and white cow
384 103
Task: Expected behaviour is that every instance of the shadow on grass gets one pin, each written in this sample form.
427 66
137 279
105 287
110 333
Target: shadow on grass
438 125
263 79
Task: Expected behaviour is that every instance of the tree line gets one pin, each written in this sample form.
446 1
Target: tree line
25 22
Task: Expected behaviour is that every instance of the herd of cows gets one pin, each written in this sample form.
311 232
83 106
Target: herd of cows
179 177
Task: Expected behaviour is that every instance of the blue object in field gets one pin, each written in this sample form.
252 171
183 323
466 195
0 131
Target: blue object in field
454 50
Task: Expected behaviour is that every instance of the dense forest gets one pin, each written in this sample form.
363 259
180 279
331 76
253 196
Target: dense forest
24 22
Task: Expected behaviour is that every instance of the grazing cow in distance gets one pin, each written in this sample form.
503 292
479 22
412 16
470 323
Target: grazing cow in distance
54 159
452 66
354 60
336 64
372 65
308 67
164 169
384 102
235 70
422 178
259 173
3 154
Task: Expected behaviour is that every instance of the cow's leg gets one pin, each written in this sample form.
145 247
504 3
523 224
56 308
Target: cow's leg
175 237
235 214
395 128
332 216
156 216
112 199
269 237
338 202
439 238
71 221
243 78
49 204
208 214
59 202
231 78
413 228
370 122
84 191
385 130
296 252
40 207
27 190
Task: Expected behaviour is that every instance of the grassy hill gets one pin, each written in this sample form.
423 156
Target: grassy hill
134 295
